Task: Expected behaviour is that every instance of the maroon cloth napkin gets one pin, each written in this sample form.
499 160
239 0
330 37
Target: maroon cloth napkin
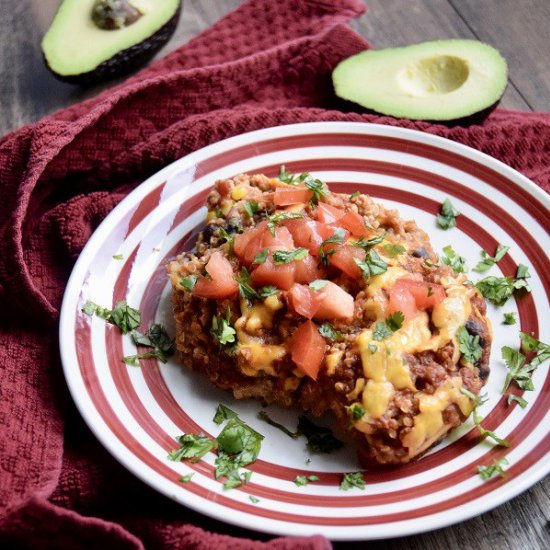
267 63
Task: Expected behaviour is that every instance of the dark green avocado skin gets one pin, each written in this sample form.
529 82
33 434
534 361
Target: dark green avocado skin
128 60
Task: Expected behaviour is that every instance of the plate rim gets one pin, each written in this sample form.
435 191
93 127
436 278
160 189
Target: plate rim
532 475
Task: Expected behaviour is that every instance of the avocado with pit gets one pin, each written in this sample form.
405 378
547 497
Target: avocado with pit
94 40
437 80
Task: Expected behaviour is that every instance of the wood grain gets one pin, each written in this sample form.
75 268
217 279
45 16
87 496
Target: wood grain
520 29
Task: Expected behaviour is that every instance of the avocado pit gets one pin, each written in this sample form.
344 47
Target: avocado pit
111 15
433 76
94 40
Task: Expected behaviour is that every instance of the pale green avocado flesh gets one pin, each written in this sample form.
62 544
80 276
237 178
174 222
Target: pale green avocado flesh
439 80
75 45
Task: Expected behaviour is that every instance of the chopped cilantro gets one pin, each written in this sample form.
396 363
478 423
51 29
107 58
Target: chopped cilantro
222 331
118 257
123 316
373 264
126 318
317 187
262 415
488 433
253 499
287 256
478 401
91 308
518 399
509 319
276 219
486 472
245 285
518 371
367 244
235 479
393 250
395 321
522 272
499 289
155 337
469 345
352 480
238 446
446 219
223 413
452 259
251 207
532 345
189 282
384 329
318 284
186 478
328 331
261 257
430 291
267 291
381 331
336 238
319 439
226 237
355 194
372 348
300 481
133 360
357 411
287 177
488 261
192 447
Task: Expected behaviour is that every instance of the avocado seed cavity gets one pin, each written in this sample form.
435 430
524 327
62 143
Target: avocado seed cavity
112 15
433 76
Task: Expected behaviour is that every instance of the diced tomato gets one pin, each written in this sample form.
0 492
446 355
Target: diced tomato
355 224
269 273
336 303
409 295
327 230
344 259
307 270
402 300
328 214
305 234
243 241
307 349
248 244
304 301
285 196
426 295
222 285
282 240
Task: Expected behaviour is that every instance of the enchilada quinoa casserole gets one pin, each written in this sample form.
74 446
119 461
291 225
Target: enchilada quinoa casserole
305 297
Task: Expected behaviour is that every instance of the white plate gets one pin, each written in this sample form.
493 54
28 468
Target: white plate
137 412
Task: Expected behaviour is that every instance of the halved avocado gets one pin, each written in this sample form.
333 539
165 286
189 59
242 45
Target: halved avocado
438 80
93 40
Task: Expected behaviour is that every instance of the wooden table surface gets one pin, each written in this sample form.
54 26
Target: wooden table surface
520 29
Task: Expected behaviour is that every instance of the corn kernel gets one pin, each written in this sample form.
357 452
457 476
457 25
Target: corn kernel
239 193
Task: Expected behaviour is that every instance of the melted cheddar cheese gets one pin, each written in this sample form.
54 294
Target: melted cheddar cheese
260 356
386 370
429 425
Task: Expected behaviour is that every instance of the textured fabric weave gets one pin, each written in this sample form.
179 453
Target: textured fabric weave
265 64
